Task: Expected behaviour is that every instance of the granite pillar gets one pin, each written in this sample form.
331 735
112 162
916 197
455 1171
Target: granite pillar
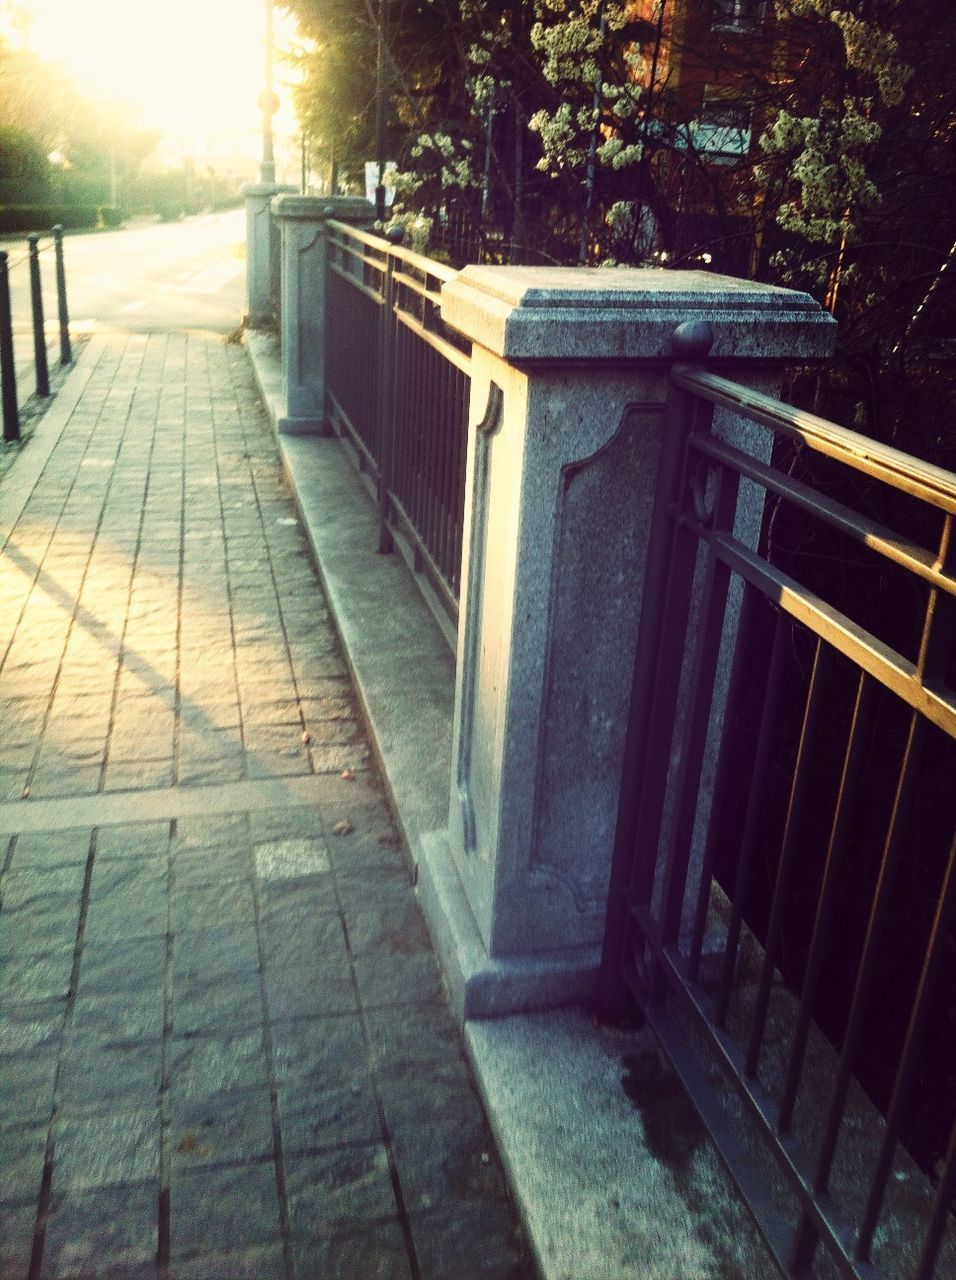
568 387
302 221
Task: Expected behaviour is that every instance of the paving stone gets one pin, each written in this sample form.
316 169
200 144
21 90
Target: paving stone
39 921
198 907
121 1017
310 988
405 1050
262 1262
218 950
225 1208
18 887
220 1002
31 1028
291 859
397 929
335 1191
88 1233
202 1065
26 1086
377 1252
16 1240
128 899
395 979
138 775
26 978
103 1151
131 966
22 1156
98 1077
322 1113
222 1127
133 840
319 1049
475 1240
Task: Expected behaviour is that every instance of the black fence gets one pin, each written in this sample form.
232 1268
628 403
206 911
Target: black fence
784 884
31 262
398 382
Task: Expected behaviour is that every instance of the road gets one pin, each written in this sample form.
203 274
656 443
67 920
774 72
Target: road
147 278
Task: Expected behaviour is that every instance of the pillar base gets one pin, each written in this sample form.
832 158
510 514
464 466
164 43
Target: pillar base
479 985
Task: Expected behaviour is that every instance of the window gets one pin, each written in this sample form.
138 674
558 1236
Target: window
738 15
722 130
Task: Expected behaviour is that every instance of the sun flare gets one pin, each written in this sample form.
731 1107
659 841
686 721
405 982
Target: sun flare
193 68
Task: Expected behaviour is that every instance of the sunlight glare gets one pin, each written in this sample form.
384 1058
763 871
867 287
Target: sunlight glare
194 67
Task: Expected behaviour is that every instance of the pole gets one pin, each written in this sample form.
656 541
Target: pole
380 114
39 335
267 170
66 351
8 376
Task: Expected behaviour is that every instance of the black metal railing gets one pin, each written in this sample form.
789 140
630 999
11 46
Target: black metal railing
8 360
397 386
782 897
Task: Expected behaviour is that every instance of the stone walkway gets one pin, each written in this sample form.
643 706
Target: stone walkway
224 1047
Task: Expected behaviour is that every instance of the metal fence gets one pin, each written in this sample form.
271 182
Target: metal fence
782 898
13 327
397 387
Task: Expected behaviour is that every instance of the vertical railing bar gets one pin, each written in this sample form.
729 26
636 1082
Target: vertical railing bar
806 1240
699 702
444 498
857 747
789 849
937 943
679 418
942 1208
386 408
748 842
739 678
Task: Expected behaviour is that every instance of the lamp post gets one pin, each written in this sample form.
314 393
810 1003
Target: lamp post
380 114
267 169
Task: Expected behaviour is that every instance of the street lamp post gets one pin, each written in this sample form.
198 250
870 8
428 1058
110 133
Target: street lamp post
262 242
267 169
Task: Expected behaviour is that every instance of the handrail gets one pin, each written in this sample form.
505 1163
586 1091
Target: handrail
440 270
911 475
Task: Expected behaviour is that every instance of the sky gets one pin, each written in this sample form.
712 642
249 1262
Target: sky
193 67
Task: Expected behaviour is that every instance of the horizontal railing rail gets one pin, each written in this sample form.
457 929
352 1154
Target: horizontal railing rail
398 381
784 885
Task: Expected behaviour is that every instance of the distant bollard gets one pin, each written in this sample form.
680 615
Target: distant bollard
39 336
8 376
66 351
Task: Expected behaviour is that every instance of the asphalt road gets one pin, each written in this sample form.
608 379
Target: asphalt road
157 277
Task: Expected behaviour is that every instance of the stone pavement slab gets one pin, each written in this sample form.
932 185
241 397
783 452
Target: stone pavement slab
224 1045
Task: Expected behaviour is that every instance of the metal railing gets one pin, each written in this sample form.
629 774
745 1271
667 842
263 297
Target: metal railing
782 895
397 387
8 377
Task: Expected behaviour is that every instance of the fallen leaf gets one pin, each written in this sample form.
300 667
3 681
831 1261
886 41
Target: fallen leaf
306 737
348 775
343 828
26 792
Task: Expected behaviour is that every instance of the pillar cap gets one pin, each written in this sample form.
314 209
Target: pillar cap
319 208
583 314
265 188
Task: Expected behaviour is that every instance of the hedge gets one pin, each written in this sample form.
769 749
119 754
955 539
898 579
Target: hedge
42 217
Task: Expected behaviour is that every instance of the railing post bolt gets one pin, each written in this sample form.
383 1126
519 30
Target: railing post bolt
66 351
39 336
8 376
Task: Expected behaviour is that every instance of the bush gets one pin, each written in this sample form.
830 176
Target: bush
41 217
109 215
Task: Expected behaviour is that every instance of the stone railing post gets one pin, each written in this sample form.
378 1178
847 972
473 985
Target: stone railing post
261 258
569 380
304 256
